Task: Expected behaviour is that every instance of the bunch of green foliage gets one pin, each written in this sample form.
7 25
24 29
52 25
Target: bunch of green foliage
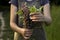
32 9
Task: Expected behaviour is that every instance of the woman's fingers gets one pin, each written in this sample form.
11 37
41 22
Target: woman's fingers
37 17
28 33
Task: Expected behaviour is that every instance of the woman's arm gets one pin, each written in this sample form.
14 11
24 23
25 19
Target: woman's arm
46 12
13 25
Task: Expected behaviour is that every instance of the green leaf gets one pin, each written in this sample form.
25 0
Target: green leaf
20 12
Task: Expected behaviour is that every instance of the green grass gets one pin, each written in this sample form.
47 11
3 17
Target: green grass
8 33
0 22
53 30
9 30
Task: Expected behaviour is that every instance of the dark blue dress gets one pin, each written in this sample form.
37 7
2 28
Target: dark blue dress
38 32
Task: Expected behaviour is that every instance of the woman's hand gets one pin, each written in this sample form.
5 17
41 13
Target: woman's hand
26 33
37 16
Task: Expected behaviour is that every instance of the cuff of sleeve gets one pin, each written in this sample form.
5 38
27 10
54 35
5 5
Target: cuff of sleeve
14 3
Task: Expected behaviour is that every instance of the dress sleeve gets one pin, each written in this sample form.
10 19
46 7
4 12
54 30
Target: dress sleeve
14 2
43 2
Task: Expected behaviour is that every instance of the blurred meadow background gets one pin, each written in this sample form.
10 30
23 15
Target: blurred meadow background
52 31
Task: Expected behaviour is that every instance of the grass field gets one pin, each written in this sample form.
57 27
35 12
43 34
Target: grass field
53 30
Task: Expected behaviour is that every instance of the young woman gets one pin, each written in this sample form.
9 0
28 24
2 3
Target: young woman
38 33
